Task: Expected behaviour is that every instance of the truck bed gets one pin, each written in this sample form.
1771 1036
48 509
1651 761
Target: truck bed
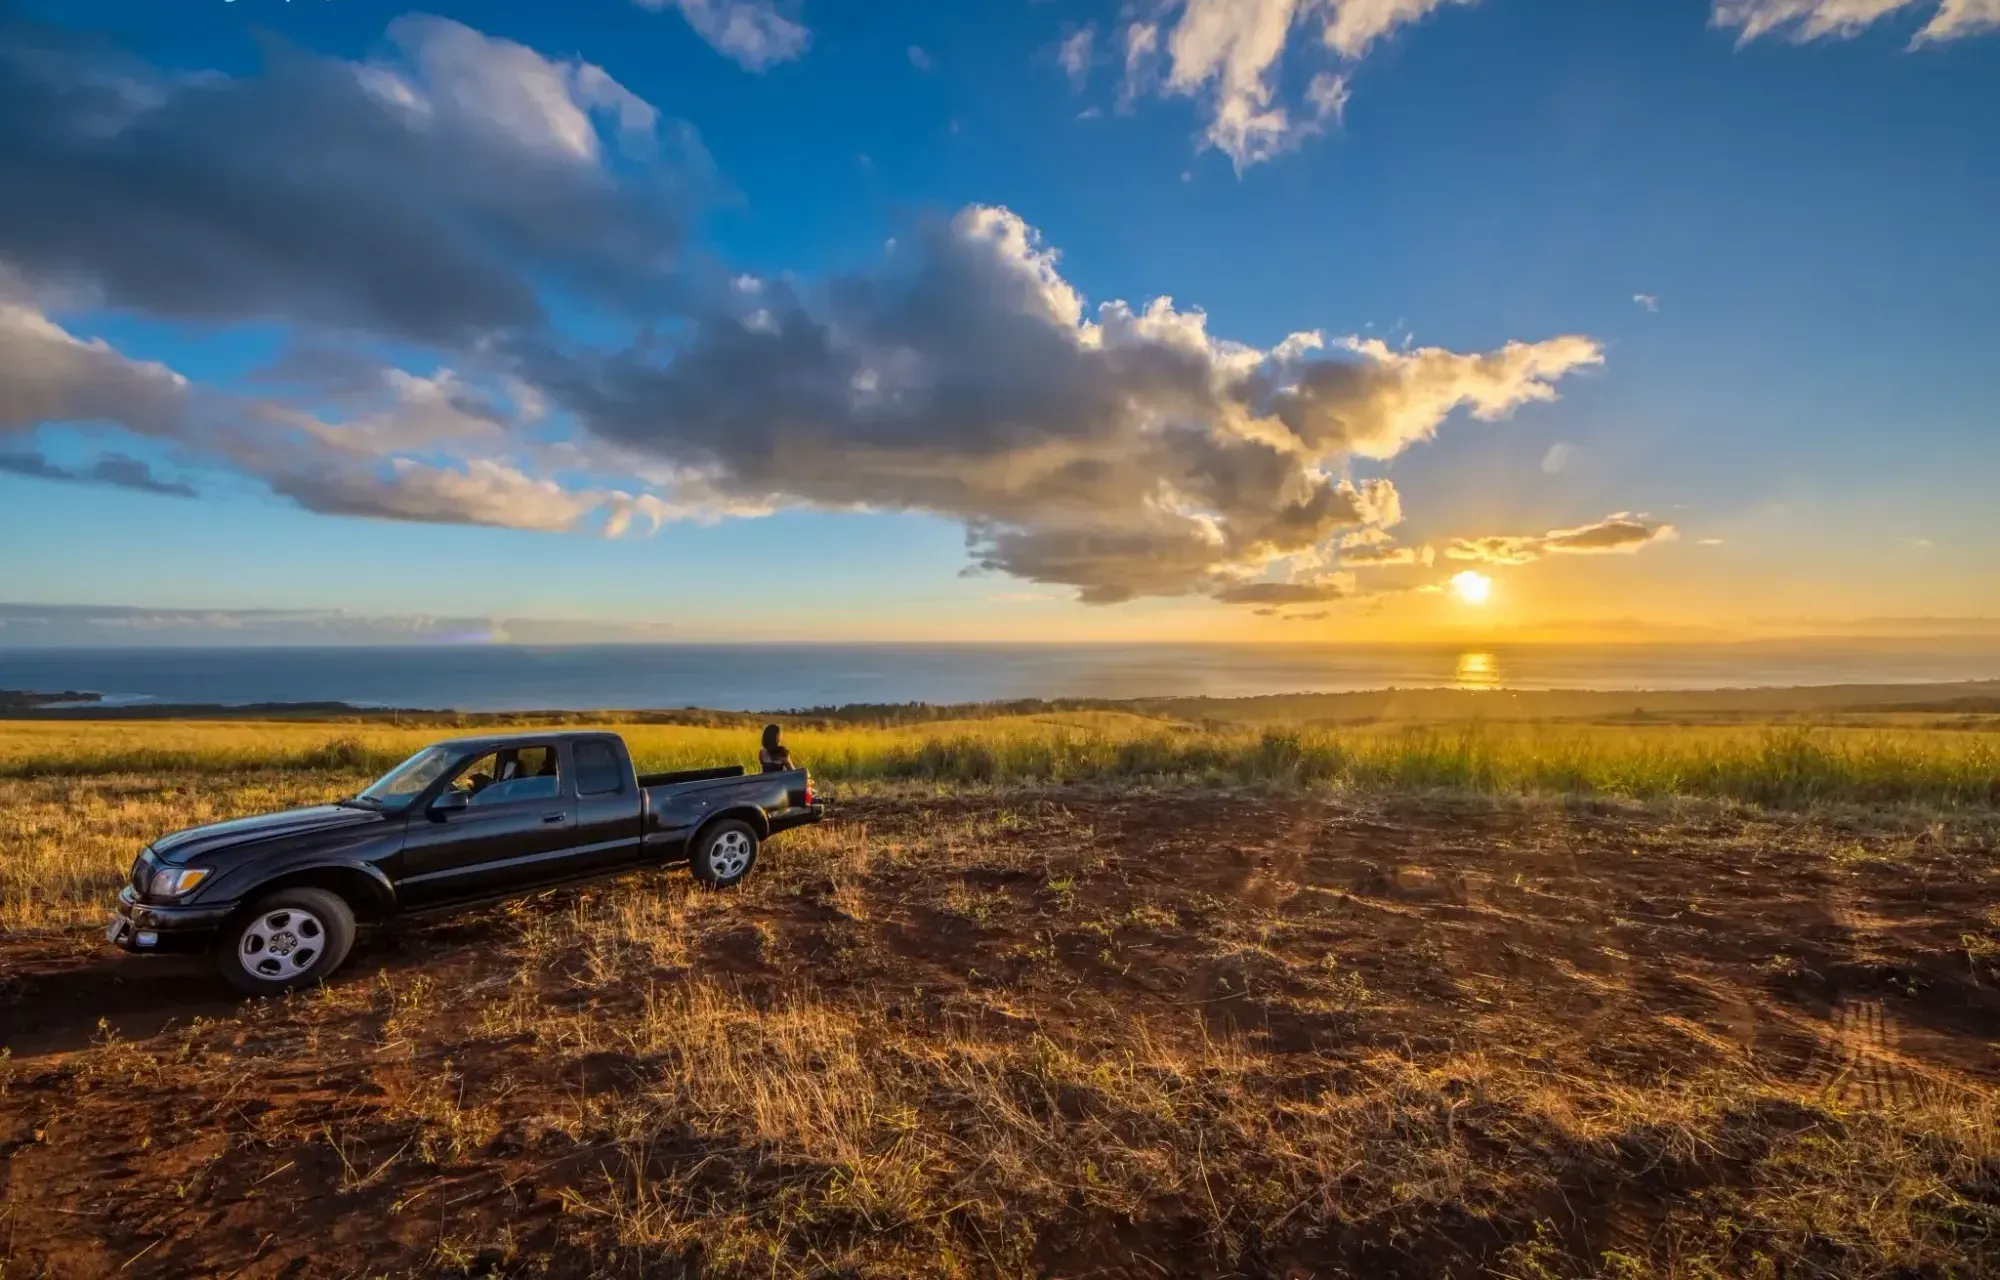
677 804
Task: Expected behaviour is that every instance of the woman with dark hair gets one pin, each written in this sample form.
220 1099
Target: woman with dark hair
774 757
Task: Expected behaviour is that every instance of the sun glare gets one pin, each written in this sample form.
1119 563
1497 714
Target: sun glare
1472 588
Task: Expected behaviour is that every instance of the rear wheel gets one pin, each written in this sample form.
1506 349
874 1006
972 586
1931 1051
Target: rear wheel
286 940
724 854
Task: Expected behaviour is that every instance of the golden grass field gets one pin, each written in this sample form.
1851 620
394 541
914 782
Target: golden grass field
70 841
1088 994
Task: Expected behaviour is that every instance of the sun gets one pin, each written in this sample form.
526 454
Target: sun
1472 588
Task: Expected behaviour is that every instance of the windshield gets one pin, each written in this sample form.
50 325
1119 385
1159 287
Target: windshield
402 784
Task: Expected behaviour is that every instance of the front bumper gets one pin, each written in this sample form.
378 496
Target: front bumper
142 927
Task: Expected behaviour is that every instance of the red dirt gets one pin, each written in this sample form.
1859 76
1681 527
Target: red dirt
1593 940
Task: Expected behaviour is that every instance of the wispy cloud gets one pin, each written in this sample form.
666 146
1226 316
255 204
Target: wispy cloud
1802 20
1622 533
1227 53
1073 55
52 625
752 32
1646 300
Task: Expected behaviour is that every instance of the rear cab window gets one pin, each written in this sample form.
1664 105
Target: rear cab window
599 772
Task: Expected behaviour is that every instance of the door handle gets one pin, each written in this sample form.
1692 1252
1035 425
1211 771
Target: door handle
554 817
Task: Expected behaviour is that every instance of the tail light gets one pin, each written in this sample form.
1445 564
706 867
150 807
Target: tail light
809 789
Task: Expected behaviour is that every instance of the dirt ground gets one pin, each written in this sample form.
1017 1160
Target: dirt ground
1072 1033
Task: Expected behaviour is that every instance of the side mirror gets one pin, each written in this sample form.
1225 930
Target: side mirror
450 802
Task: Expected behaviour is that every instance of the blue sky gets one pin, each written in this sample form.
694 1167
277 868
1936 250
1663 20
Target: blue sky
1771 251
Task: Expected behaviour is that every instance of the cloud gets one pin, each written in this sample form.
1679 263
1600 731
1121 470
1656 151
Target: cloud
1386 557
84 625
1317 615
423 195
49 375
1615 534
1283 593
356 466
1141 44
1228 54
115 470
1074 53
752 32
1803 20
1328 94
1647 300
1558 457
1122 452
919 59
420 207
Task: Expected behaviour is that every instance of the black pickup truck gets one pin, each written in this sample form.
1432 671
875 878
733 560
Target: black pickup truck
470 820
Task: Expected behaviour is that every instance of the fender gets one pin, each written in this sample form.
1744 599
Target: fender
352 870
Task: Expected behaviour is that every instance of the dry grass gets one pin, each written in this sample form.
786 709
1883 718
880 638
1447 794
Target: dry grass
78 800
1789 765
1080 1033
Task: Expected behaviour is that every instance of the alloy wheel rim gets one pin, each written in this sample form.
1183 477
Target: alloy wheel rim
729 856
281 944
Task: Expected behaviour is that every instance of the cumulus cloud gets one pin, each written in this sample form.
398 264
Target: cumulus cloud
1118 451
1802 20
405 216
1228 54
1622 533
358 466
752 32
420 195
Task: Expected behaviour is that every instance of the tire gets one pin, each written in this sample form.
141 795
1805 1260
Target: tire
286 940
724 853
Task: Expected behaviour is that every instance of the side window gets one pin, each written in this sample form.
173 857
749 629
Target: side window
511 775
597 770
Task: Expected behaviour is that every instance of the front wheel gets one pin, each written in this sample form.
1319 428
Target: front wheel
724 854
286 940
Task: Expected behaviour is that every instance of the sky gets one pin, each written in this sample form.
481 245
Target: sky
1013 320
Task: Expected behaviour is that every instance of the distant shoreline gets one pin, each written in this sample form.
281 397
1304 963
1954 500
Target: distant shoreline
1971 697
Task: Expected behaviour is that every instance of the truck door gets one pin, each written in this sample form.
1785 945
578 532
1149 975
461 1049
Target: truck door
607 804
513 824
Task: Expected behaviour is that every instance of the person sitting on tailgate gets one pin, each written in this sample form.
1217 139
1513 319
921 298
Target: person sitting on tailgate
774 757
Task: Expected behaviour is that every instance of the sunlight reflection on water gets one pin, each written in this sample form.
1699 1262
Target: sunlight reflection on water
1476 671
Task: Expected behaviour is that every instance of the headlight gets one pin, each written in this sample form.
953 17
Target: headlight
172 882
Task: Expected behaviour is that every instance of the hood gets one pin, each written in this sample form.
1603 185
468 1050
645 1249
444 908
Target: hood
291 824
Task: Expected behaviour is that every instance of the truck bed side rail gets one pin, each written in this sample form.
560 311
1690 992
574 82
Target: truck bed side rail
647 780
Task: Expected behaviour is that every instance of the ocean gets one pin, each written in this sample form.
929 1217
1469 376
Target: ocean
769 677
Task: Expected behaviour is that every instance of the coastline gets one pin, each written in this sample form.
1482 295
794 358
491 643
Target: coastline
1963 698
